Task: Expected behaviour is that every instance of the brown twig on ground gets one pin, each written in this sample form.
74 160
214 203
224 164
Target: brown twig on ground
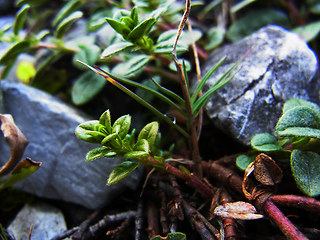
139 221
153 228
94 230
229 224
164 214
200 223
114 232
83 227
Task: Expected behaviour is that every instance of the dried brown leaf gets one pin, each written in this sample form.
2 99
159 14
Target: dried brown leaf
237 210
266 171
15 140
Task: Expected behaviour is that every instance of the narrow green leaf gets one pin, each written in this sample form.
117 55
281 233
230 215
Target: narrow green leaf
30 2
121 171
149 133
23 170
142 29
219 84
86 87
264 142
305 168
131 68
141 101
20 18
205 78
235 8
67 9
14 51
134 16
88 53
151 91
105 120
64 26
97 153
116 48
119 27
123 124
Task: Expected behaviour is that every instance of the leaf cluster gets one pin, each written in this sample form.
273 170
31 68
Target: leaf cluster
298 142
116 141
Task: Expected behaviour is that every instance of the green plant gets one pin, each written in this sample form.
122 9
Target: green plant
298 131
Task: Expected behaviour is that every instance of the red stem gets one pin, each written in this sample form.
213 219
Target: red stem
306 203
284 224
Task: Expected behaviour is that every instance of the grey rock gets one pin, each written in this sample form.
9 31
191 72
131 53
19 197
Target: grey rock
279 66
49 126
43 220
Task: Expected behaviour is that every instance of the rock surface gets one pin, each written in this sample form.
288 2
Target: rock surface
49 126
43 220
279 66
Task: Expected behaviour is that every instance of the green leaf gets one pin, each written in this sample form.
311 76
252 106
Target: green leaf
116 48
236 7
14 51
67 9
171 236
299 121
119 27
149 133
105 120
109 138
97 153
131 68
30 2
121 171
123 124
20 18
205 78
215 38
23 170
134 16
25 71
305 168
64 26
142 29
254 20
264 142
86 87
142 145
309 31
86 132
243 161
295 102
137 155
88 54
199 103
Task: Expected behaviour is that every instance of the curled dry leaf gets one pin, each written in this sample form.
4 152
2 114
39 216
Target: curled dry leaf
237 210
266 171
15 140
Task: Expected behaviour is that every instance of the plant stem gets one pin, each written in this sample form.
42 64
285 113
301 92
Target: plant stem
284 224
306 203
190 179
